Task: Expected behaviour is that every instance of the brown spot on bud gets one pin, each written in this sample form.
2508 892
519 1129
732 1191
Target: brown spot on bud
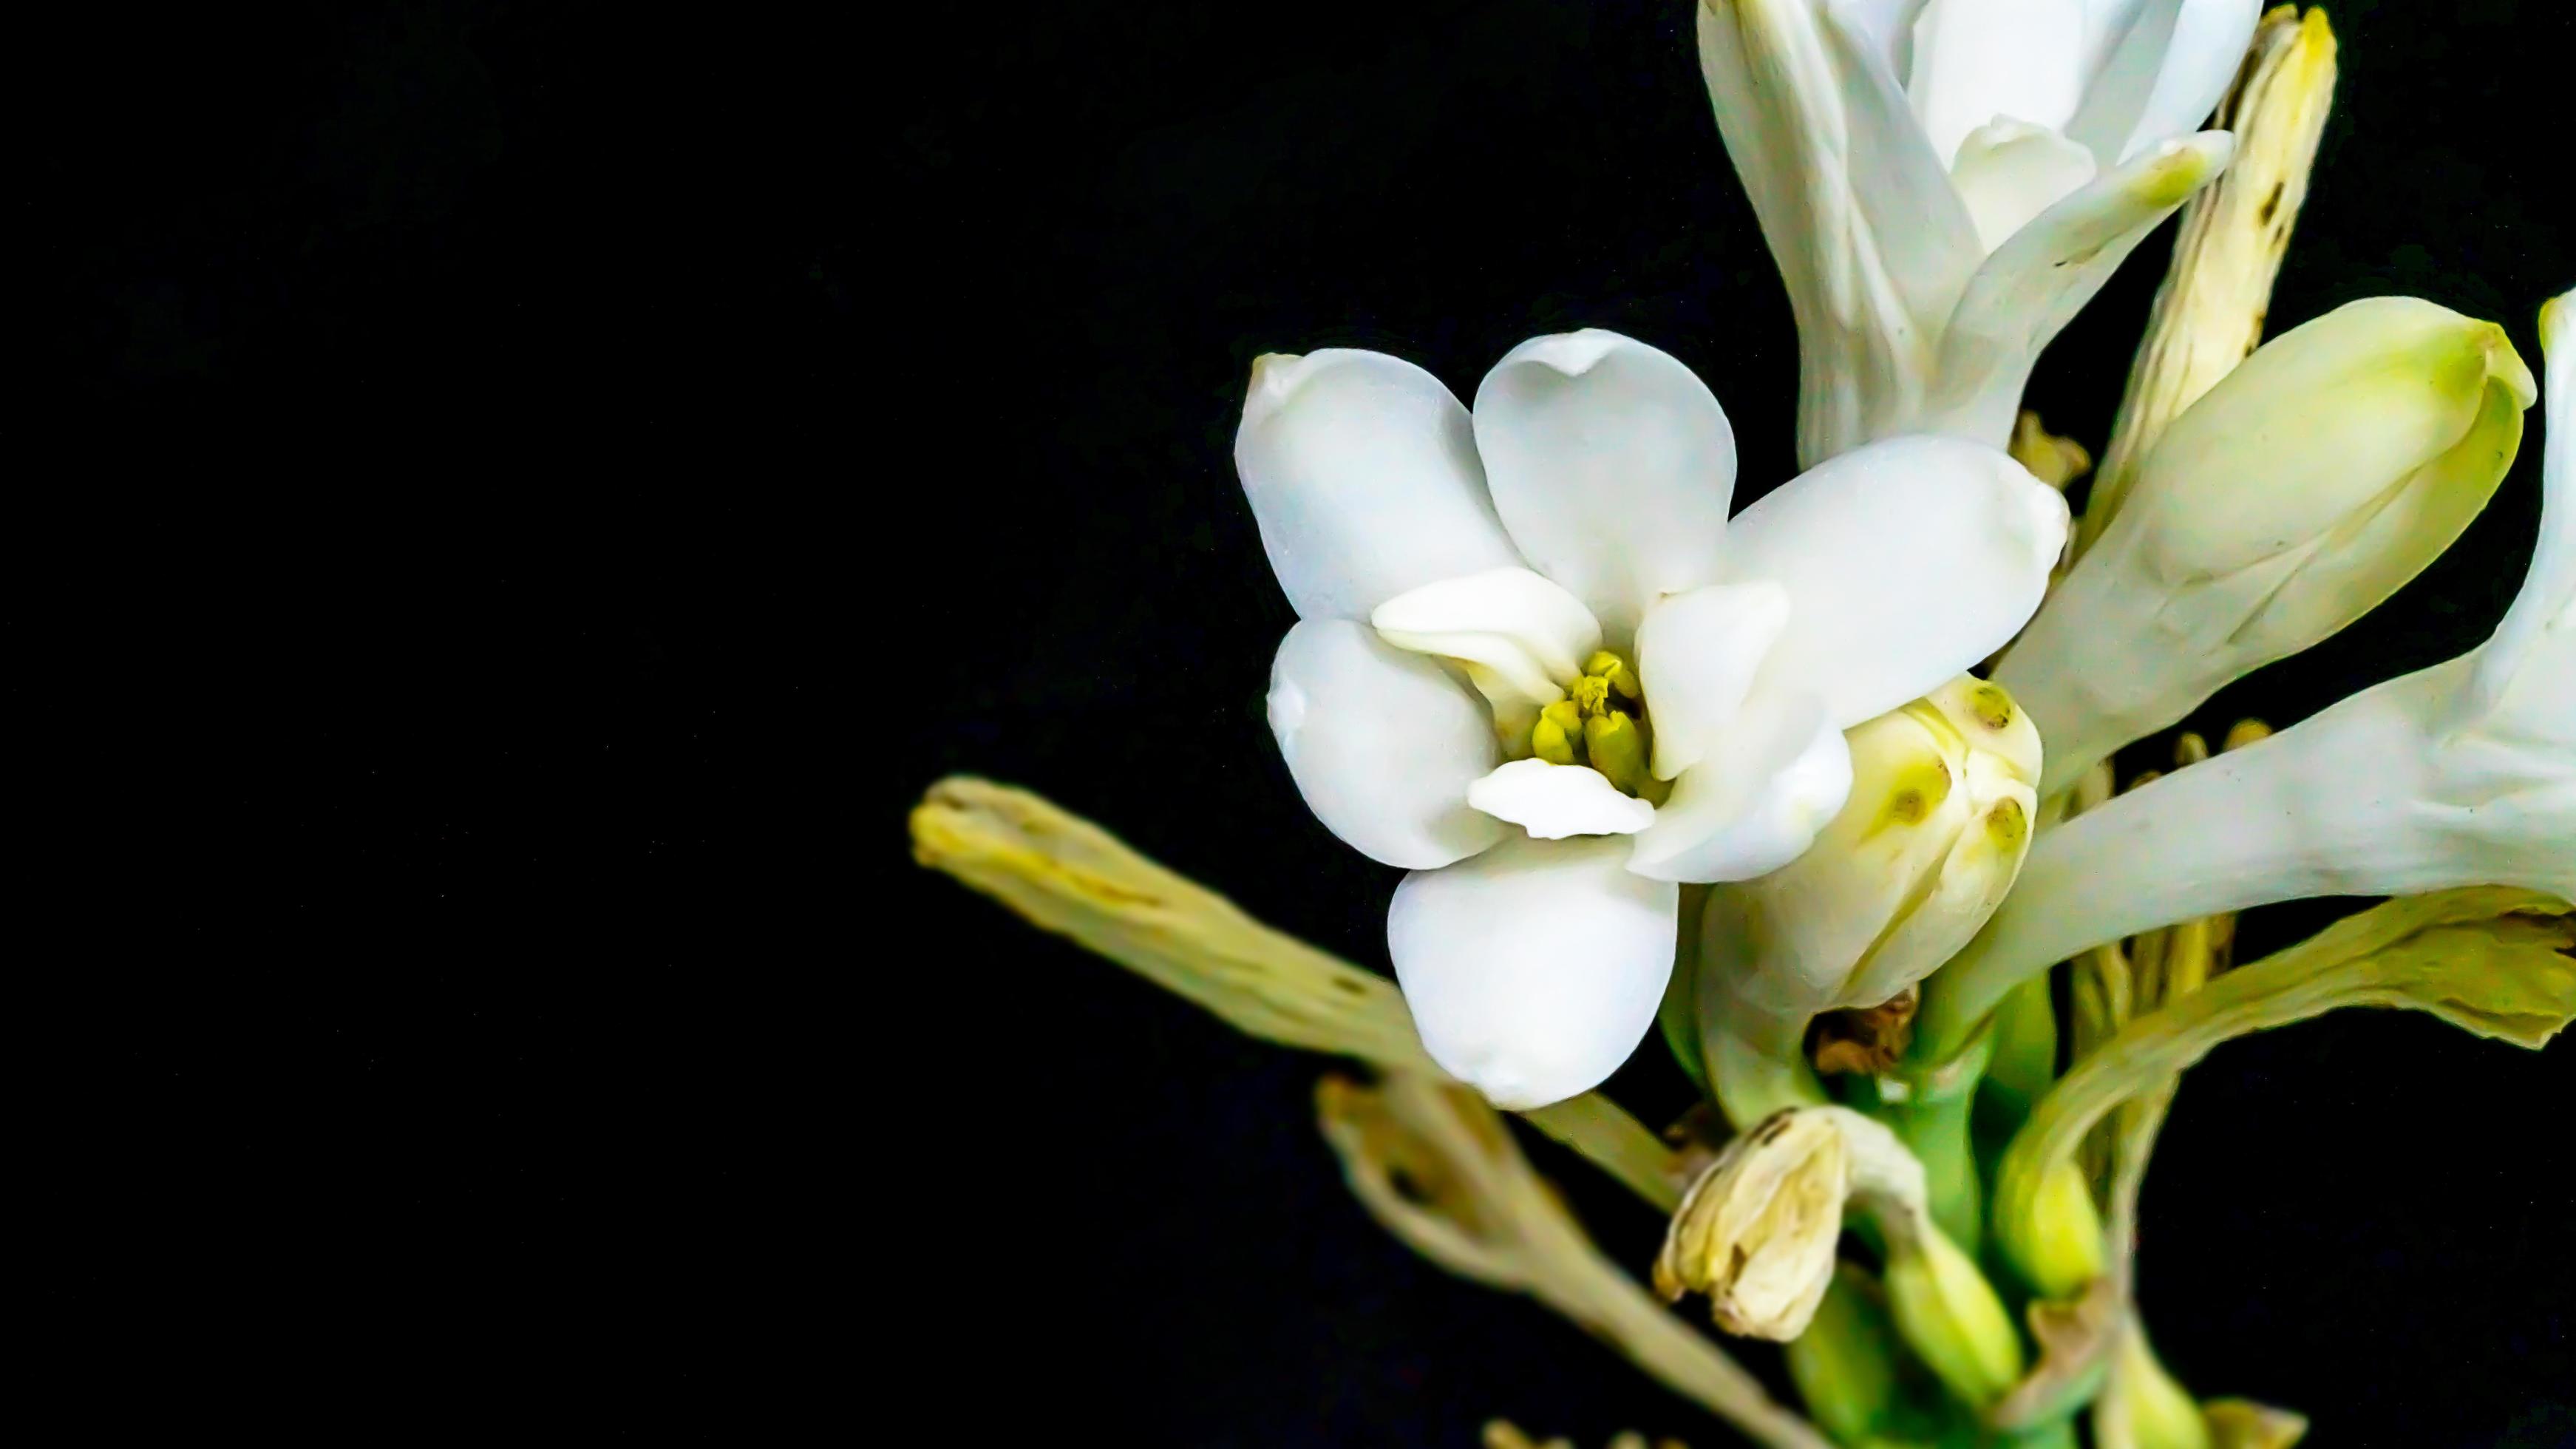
1993 707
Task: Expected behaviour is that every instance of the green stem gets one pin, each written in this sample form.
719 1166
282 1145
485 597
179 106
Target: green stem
1757 1065
1935 1130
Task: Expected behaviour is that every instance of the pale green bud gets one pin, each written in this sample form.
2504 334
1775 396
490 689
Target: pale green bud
2062 1240
2141 1405
2304 488
1924 848
1952 1318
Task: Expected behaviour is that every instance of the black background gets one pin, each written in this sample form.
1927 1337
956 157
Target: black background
557 482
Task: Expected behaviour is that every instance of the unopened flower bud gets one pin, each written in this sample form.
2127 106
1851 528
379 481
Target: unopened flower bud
1927 843
1757 1232
2307 486
2142 1404
1950 1315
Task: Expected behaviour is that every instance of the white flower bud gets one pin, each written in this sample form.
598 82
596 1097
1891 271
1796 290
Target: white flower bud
1923 851
2306 487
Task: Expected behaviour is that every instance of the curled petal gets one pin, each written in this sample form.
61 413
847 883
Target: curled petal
2164 75
1552 802
1905 562
1535 968
1697 654
2039 279
1383 744
1509 624
1612 466
1756 801
1361 471
2009 172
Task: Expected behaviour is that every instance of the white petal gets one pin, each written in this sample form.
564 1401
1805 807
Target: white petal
1756 801
1535 968
1882 28
1859 214
1361 471
2165 75
1611 465
1975 60
1697 654
2546 604
1906 562
1552 802
2008 172
1509 622
1382 744
2038 280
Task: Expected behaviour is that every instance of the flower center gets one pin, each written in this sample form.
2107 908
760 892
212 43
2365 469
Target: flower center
1601 723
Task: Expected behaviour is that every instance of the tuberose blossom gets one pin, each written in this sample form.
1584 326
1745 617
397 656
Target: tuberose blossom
2307 486
2460 774
1539 667
1945 183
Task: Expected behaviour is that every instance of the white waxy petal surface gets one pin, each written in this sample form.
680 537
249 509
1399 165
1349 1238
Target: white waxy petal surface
1383 744
1611 466
1552 802
2008 172
1905 562
2164 75
1534 969
1361 470
1756 801
1975 60
1697 655
1520 627
2043 275
2546 605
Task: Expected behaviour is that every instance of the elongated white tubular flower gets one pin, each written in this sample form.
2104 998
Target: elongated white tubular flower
1539 667
2296 495
2461 774
1945 183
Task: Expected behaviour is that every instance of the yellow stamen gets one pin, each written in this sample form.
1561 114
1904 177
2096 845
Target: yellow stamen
1618 749
1558 733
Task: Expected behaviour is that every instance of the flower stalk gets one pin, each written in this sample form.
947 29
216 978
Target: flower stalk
2491 960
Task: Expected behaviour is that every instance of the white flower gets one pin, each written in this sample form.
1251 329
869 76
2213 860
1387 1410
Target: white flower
2461 774
1459 698
1945 183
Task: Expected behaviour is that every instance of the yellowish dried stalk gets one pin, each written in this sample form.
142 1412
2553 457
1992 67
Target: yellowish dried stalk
2210 312
1067 875
1435 1165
